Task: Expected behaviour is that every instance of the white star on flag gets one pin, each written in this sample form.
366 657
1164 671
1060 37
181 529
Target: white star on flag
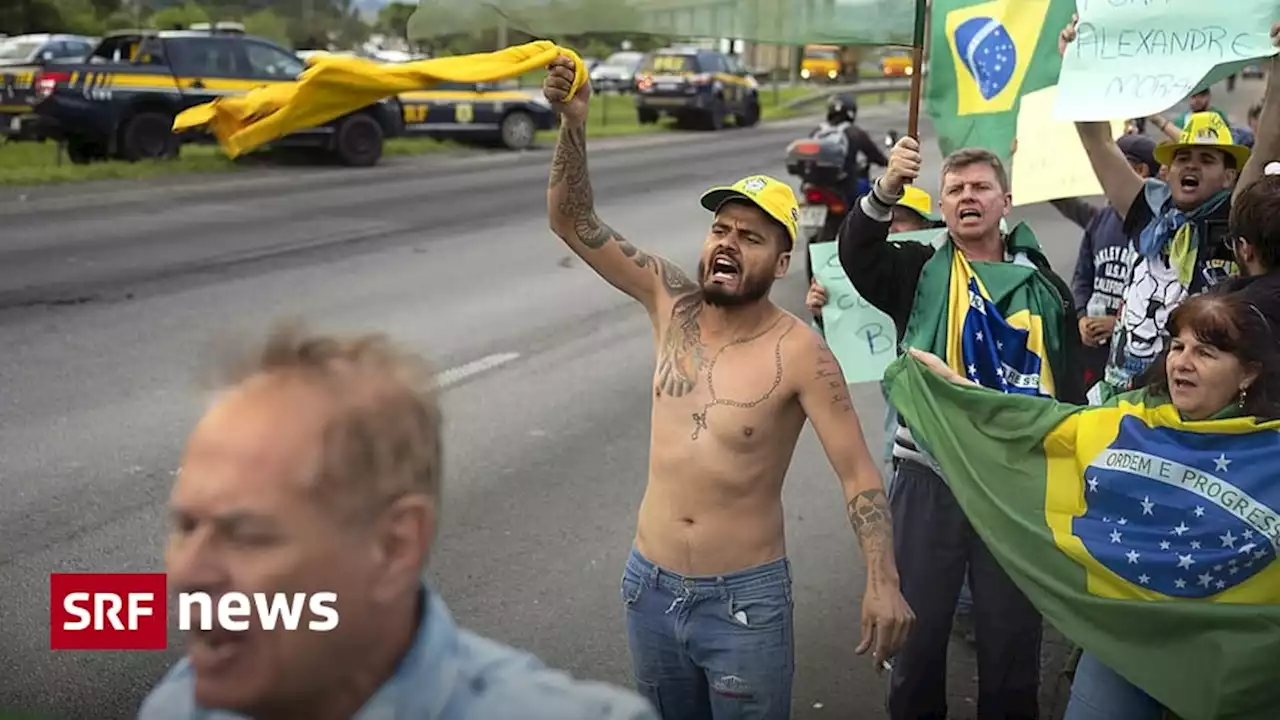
1093 484
1228 540
978 336
1147 505
1115 536
1205 579
1133 556
1180 583
1185 561
1199 511
1164 544
1182 527
1221 463
1144 579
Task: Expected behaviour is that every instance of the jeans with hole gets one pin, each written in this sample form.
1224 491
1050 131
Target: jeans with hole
711 648
1100 693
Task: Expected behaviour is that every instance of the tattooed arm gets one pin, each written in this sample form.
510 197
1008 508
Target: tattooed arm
824 396
571 208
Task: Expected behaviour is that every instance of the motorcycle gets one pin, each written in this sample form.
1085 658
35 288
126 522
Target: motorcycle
820 166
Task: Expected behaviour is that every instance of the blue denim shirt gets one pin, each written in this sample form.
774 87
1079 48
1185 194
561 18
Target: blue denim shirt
448 674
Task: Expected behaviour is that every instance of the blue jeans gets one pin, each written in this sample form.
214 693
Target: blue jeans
1099 693
711 648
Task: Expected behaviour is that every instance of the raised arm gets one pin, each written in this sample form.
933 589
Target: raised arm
1266 145
571 205
1120 183
886 617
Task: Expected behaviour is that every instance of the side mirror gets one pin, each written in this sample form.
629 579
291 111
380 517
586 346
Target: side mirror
46 55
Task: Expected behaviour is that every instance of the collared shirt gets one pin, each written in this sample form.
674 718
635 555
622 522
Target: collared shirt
448 674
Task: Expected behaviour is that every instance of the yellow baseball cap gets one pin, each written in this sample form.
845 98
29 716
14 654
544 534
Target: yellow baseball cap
771 195
913 198
1204 129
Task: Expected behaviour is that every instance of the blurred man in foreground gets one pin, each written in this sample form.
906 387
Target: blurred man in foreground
318 470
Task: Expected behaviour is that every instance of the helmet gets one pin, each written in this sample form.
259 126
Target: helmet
842 108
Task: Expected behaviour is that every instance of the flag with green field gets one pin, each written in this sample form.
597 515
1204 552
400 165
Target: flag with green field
1148 540
983 57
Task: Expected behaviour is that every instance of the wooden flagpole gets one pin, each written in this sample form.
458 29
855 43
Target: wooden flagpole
918 58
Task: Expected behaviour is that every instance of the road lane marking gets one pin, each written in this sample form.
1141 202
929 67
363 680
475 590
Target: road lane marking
455 375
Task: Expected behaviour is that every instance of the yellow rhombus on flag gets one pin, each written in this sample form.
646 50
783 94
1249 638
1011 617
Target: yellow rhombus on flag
336 85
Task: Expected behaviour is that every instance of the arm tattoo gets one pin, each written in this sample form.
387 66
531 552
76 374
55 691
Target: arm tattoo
869 515
577 200
832 378
569 179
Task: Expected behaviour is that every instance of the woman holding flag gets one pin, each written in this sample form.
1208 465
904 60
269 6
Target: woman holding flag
1163 497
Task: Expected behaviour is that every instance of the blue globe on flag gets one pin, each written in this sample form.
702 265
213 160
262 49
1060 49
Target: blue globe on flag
1188 515
987 51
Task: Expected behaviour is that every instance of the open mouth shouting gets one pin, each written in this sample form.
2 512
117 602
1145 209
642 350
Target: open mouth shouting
1189 182
969 214
725 270
1181 384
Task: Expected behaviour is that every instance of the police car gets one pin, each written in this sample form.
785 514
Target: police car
477 112
697 87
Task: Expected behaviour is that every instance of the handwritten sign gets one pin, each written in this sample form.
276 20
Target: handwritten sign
1135 58
1050 162
863 339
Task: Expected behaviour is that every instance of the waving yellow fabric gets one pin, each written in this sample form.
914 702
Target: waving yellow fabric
336 85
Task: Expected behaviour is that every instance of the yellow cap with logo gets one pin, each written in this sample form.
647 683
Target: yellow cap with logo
913 198
1204 129
771 195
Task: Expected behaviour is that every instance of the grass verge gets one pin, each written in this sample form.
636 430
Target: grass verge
29 163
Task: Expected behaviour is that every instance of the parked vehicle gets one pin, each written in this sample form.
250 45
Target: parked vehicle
121 101
21 57
477 112
617 72
697 87
821 62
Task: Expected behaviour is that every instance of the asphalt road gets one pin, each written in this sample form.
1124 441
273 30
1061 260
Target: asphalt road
110 296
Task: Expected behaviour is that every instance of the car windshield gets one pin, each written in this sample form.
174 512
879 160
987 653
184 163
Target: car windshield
18 49
624 59
821 54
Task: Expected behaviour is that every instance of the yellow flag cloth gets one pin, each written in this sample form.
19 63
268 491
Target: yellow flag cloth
336 85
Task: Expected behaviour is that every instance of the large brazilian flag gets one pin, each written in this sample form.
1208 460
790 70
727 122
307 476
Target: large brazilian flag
1148 540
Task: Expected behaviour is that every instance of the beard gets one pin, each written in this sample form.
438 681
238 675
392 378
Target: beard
749 290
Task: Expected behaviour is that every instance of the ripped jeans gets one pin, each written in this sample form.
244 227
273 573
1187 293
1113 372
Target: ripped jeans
712 647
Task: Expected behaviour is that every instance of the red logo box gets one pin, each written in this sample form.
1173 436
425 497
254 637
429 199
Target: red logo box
108 611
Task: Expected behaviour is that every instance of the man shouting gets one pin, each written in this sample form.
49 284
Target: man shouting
707 587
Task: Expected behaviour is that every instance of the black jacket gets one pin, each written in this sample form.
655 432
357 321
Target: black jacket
887 274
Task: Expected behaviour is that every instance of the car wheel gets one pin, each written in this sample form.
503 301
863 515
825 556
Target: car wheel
83 152
358 141
148 136
751 116
647 117
714 119
518 131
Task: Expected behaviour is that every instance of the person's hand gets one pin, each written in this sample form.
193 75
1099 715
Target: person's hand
1103 327
886 620
1088 328
816 298
904 165
1068 34
560 75
935 363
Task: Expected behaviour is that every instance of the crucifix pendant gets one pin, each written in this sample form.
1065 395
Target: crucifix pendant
699 423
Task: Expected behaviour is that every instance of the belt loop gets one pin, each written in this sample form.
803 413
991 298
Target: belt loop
653 574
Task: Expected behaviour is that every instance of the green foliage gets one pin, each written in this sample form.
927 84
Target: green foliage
179 17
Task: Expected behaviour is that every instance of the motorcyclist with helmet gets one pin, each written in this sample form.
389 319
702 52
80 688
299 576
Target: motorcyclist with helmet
862 152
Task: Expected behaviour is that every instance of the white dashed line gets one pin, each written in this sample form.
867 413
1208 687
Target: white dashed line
455 375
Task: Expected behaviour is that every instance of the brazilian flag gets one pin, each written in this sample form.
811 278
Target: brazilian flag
1148 540
983 57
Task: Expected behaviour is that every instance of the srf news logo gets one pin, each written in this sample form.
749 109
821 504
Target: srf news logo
129 611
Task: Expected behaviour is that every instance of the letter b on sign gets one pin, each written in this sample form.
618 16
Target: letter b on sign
108 611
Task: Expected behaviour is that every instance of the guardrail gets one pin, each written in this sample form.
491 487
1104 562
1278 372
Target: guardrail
862 88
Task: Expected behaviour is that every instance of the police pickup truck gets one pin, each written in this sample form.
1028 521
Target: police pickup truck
121 101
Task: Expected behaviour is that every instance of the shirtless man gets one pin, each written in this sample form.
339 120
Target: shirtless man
707 587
